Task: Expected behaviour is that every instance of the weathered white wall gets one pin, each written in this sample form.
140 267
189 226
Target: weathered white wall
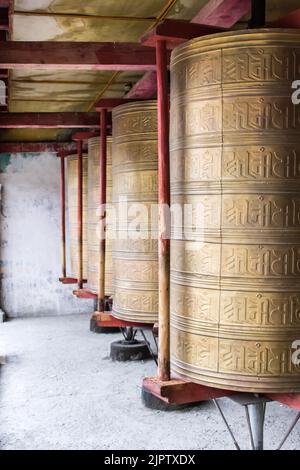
30 239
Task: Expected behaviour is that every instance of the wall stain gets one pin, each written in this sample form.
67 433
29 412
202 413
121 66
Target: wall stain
4 161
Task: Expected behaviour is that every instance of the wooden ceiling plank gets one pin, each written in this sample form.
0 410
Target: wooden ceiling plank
34 147
110 103
145 88
49 120
49 55
223 13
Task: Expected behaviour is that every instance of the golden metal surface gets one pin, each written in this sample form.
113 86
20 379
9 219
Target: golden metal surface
72 187
235 150
135 178
93 217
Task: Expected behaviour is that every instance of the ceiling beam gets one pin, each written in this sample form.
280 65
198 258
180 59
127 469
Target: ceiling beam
176 32
53 55
110 103
83 135
145 88
49 120
33 147
223 13
292 20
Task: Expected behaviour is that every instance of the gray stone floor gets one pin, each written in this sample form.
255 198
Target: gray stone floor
59 390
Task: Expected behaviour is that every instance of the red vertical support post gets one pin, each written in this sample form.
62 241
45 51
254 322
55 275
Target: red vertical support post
164 204
102 202
63 213
80 214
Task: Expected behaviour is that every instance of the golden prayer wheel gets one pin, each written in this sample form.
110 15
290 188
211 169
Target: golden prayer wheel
135 190
72 191
94 217
235 164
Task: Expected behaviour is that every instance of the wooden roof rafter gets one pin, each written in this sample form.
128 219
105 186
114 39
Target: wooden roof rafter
46 55
49 120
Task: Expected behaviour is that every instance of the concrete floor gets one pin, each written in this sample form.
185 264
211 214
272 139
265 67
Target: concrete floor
59 390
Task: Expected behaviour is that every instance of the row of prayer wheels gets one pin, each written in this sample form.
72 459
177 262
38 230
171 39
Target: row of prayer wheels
235 168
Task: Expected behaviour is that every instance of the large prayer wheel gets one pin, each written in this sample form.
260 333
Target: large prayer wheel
235 161
135 191
94 214
72 191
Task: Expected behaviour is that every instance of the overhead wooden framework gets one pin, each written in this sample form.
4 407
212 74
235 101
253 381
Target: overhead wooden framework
214 13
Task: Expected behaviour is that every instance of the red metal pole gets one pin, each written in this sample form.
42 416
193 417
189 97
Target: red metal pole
63 214
102 202
79 214
164 203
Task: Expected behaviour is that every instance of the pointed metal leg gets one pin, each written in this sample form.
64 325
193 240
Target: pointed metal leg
149 346
255 414
289 431
226 424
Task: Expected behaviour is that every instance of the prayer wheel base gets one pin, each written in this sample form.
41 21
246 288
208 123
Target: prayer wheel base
68 280
154 403
102 329
103 323
124 350
176 392
84 294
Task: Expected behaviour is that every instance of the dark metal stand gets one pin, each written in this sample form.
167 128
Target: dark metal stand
152 353
129 333
255 410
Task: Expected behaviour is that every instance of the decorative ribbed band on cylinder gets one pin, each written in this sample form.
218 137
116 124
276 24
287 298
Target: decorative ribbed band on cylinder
94 213
235 162
135 189
72 190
